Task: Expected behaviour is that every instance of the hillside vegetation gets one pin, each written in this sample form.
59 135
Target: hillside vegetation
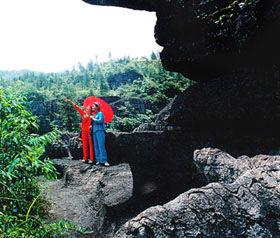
141 78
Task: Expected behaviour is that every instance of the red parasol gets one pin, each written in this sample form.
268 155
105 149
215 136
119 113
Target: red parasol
105 108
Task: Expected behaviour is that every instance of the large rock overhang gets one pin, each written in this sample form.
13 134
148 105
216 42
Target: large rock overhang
201 46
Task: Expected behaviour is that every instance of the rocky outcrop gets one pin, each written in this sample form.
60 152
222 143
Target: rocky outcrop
137 104
160 161
156 127
59 148
219 166
228 103
86 195
75 147
214 37
241 115
247 207
39 109
116 80
203 39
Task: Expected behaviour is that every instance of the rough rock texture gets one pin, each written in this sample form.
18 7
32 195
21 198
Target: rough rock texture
161 166
59 148
162 161
156 127
39 109
231 49
252 103
219 166
247 207
75 147
86 195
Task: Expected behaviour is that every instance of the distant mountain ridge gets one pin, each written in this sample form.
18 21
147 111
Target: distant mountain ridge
10 74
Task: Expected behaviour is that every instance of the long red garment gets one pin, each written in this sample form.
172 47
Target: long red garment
88 151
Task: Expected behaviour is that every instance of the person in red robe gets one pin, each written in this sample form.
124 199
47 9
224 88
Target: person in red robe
88 152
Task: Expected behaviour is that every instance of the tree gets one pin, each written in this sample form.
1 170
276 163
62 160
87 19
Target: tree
153 56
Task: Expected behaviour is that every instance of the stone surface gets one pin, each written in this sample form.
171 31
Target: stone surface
247 207
158 160
156 127
219 166
76 147
227 103
86 193
38 108
59 148
139 105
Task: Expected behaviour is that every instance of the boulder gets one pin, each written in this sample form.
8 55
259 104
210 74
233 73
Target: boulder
76 147
247 207
59 148
85 194
157 159
38 108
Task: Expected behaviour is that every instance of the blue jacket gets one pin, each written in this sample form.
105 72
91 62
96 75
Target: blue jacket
98 123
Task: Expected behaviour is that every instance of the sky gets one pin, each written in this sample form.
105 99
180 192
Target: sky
55 35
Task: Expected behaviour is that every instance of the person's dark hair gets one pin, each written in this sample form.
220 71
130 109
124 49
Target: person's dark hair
97 104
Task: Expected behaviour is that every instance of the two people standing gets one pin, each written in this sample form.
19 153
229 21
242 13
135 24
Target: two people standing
93 133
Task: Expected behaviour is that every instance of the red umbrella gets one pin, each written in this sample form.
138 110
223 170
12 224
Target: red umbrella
105 108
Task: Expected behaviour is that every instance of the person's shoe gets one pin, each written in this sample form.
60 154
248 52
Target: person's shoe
85 161
90 162
97 163
106 164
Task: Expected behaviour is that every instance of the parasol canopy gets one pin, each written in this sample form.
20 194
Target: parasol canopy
105 108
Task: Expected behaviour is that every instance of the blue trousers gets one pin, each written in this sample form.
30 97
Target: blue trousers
99 146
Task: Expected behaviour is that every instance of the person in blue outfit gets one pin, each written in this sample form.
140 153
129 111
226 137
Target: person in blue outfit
98 134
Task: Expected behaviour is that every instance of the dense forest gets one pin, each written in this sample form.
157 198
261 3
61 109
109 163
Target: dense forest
23 206
141 78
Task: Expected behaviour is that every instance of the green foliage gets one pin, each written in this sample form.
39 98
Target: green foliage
128 119
17 141
142 78
17 226
224 14
22 203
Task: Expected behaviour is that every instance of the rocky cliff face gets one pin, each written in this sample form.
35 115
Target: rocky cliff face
87 195
242 200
